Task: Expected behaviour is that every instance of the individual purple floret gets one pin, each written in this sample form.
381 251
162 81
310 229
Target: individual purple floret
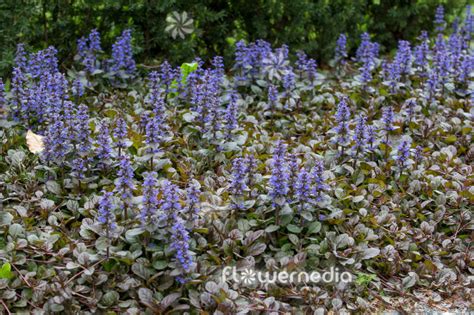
170 204
120 134
231 114
20 58
79 168
166 76
403 153
122 55
422 51
272 96
302 61
318 181
180 244
153 134
363 51
218 64
410 108
124 184
418 154
77 88
360 135
466 67
303 187
87 49
193 194
294 168
342 118
18 93
366 73
306 65
439 19
432 84
404 57
56 140
3 101
455 53
206 98
94 41
341 49
103 149
239 177
312 69
106 214
387 119
42 62
150 199
279 180
289 80
371 137
81 130
250 169
468 28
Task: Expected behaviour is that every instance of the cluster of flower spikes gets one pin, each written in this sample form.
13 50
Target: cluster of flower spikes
36 86
340 54
168 212
120 133
401 64
452 59
231 113
171 212
155 124
124 184
87 50
122 55
343 115
306 66
403 153
106 214
360 135
163 79
238 183
249 59
292 183
205 97
363 137
40 99
193 194
280 177
103 148
366 53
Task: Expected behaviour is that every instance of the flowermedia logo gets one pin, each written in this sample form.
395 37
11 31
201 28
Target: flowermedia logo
249 277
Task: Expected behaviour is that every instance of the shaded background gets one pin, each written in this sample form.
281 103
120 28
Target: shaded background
302 24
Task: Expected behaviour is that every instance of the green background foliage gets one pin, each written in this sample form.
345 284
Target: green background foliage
302 24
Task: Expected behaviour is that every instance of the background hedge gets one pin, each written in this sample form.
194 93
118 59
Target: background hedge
302 24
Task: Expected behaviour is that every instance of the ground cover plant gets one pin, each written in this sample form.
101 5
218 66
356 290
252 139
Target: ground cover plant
130 190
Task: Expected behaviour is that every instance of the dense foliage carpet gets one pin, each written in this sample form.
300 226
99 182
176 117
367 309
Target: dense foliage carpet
126 190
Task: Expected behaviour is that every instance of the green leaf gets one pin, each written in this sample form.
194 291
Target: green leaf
272 228
364 278
293 228
15 229
160 264
5 271
451 139
314 227
186 69
294 239
110 298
